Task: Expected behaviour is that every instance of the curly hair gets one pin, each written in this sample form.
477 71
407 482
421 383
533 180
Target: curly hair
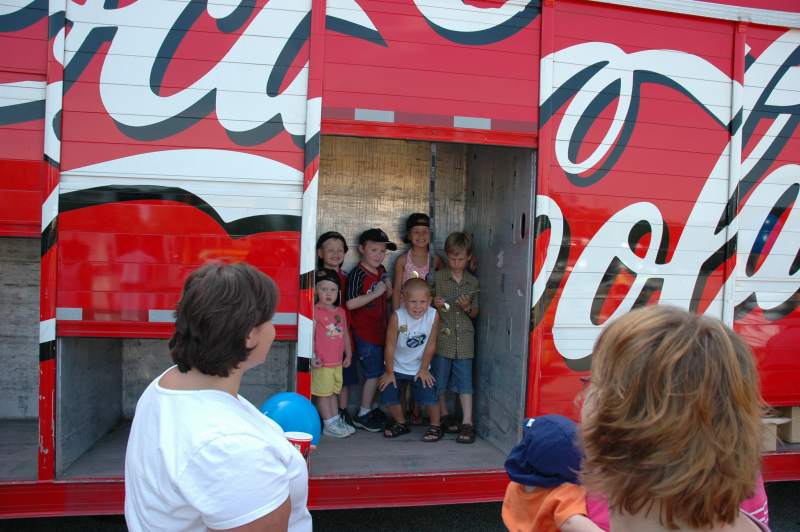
671 421
220 305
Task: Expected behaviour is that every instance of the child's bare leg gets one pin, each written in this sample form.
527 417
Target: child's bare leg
433 414
396 411
327 406
443 405
405 396
368 393
466 407
344 397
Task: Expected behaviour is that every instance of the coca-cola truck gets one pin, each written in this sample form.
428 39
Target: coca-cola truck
603 154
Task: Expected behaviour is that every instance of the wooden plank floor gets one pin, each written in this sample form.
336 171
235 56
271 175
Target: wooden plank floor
366 453
18 449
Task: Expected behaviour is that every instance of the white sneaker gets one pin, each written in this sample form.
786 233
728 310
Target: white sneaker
349 428
335 430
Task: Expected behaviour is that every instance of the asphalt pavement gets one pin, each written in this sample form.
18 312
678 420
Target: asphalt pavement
784 509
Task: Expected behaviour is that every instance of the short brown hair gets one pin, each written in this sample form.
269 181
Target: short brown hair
458 241
415 283
220 305
672 422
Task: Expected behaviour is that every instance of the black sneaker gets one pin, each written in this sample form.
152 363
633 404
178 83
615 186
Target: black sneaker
378 415
345 415
368 423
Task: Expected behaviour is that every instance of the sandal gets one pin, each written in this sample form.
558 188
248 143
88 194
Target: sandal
395 429
466 434
450 424
434 433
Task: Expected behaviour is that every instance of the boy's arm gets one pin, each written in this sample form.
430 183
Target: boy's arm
360 301
579 523
430 347
354 286
474 306
389 287
424 373
388 354
399 264
391 344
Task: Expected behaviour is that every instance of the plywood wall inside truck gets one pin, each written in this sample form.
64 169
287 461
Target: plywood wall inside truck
482 189
378 182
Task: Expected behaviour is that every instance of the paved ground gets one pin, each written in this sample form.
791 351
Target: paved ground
784 505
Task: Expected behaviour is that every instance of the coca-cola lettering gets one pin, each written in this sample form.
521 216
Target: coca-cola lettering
759 202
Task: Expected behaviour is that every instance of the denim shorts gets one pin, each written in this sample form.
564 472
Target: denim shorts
350 373
370 356
422 394
451 374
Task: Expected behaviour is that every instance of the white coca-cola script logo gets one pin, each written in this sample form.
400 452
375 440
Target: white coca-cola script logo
731 212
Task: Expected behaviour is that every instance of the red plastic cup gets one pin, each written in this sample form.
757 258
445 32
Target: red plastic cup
301 442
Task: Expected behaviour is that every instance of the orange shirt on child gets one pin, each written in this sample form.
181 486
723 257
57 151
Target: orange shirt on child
543 509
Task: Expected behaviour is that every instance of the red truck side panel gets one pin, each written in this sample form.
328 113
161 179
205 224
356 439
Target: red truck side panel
668 156
635 200
421 68
22 74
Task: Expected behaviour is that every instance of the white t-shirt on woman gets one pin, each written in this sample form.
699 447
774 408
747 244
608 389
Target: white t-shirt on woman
205 459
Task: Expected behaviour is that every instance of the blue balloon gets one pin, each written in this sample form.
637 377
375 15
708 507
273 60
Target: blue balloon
293 412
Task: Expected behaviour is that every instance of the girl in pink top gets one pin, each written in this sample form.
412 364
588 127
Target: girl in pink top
419 261
331 339
331 251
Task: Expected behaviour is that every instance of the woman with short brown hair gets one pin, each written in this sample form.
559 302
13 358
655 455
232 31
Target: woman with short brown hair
671 422
199 455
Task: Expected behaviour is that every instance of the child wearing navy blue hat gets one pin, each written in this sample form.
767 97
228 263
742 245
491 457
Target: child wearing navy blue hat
544 494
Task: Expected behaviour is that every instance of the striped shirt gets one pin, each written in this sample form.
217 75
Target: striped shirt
370 321
456 337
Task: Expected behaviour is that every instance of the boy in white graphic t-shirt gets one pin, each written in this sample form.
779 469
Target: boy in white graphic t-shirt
410 344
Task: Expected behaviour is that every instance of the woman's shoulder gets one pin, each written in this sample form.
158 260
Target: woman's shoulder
243 427
752 519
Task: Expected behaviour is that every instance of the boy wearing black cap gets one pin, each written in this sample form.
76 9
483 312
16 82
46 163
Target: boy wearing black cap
368 290
544 495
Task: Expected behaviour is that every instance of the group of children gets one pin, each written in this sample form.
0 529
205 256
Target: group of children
426 342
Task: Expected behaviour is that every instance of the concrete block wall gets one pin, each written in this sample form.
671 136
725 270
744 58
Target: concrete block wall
88 389
19 328
143 360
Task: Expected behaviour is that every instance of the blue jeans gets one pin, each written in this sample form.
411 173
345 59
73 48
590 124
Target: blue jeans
423 395
370 357
454 374
350 374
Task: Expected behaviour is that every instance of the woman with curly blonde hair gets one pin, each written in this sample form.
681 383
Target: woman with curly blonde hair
671 423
